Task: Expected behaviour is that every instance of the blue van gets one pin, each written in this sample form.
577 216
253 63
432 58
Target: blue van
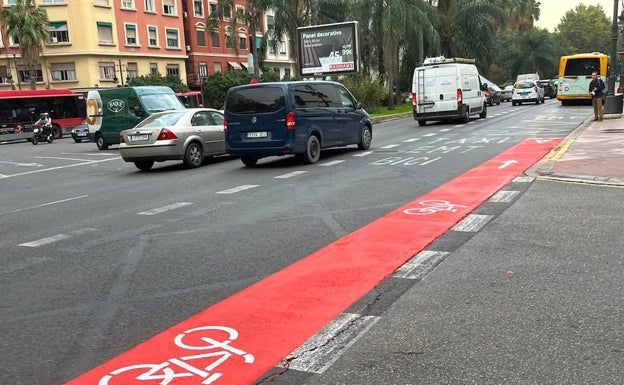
293 118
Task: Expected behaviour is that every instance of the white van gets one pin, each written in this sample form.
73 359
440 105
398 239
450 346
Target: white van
445 89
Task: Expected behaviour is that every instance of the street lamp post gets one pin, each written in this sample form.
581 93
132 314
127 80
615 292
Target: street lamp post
621 25
613 103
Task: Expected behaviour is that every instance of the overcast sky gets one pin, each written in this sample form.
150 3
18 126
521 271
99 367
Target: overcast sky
551 11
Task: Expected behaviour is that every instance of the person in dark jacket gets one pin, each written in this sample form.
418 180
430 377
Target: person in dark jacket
596 89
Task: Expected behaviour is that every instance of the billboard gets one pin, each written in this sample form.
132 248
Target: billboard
328 49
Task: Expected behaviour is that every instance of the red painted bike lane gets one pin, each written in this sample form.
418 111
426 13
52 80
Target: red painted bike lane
244 336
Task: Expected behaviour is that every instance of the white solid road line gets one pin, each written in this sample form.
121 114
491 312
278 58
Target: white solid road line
45 241
58 167
45 204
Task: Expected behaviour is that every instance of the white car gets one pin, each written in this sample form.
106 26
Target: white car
527 91
188 135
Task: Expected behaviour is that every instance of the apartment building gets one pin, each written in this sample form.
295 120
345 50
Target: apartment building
105 43
101 43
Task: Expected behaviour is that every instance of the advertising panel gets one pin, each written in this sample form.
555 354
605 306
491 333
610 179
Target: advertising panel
328 49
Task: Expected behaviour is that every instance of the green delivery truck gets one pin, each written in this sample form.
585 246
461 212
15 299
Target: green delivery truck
112 110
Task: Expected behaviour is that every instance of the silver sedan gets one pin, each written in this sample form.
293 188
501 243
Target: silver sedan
189 135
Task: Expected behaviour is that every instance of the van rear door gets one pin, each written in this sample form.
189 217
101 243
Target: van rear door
256 117
436 89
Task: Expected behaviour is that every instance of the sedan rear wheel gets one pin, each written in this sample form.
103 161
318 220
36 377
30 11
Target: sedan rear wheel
144 165
193 157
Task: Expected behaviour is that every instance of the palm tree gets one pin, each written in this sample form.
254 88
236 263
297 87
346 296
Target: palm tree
521 14
394 24
529 52
468 27
27 25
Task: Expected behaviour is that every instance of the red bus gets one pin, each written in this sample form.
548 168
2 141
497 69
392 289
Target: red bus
191 99
20 109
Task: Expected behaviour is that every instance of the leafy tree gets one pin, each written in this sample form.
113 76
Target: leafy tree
27 25
468 28
170 81
536 50
368 92
216 85
585 29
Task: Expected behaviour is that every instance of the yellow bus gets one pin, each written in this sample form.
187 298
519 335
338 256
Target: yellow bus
575 74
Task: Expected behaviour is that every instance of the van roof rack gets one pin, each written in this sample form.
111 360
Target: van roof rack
442 60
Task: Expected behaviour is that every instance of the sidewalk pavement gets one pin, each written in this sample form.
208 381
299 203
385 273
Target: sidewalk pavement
593 153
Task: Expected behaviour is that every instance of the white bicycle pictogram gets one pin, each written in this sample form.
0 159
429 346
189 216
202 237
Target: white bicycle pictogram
433 206
166 372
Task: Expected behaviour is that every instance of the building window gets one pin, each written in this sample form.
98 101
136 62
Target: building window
169 7
105 32
63 71
24 75
242 42
282 47
100 3
201 36
127 4
240 15
13 40
213 7
198 8
149 6
153 69
131 35
287 73
58 32
202 69
132 70
152 35
10 2
214 38
172 38
107 71
229 42
52 1
227 12
173 70
217 67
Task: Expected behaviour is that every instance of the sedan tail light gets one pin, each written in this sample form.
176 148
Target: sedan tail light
166 134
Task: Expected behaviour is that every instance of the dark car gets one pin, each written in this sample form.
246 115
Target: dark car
550 88
79 133
492 96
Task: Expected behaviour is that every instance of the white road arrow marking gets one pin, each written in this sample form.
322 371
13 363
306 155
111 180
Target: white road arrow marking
507 163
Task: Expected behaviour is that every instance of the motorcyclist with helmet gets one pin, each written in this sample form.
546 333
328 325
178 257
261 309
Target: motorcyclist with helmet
43 129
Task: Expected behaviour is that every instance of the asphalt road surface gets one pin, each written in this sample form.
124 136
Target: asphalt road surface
98 257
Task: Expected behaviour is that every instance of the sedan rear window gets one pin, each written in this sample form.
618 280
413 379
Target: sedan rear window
157 120
254 100
524 85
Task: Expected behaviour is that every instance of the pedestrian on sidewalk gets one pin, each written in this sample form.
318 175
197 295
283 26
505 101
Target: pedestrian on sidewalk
596 89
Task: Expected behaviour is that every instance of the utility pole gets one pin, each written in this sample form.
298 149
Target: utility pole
613 103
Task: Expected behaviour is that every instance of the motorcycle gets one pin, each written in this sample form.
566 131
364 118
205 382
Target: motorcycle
42 133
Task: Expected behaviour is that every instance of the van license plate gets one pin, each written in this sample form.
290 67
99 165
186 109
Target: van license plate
257 134
138 138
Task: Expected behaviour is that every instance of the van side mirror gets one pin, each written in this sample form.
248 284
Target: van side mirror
484 86
138 112
358 106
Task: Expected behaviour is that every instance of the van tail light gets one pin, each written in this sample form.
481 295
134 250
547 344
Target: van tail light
225 126
460 98
166 134
414 99
290 121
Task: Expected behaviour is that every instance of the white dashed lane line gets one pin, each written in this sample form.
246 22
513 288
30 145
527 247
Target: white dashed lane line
289 175
237 189
391 146
45 241
363 153
332 163
165 208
